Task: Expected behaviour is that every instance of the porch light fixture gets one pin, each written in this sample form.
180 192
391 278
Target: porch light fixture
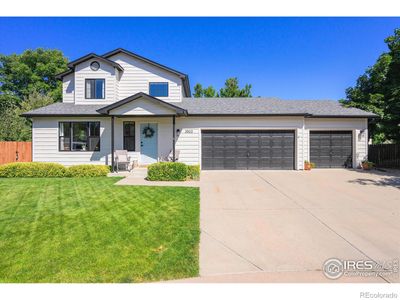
178 131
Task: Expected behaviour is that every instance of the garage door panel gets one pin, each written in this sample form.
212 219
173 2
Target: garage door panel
229 164
230 152
242 164
254 164
218 142
254 152
265 140
248 150
241 152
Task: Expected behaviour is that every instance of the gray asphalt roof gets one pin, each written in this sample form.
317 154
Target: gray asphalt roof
226 106
62 109
256 106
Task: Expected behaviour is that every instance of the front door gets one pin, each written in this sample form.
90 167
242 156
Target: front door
148 143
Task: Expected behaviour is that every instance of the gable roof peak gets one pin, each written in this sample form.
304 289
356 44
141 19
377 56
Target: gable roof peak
91 55
106 109
183 76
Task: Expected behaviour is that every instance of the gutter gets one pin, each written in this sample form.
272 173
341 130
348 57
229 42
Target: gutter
26 115
342 116
248 115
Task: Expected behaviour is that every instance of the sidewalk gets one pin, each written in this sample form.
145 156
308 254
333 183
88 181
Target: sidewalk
137 177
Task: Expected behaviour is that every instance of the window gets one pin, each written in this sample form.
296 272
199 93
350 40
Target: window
94 88
94 66
65 136
129 136
79 136
158 89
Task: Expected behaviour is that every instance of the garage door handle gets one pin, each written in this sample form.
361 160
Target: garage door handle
248 154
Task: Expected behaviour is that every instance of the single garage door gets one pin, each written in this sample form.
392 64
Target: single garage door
247 150
331 149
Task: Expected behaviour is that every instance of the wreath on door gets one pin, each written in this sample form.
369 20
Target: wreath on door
148 132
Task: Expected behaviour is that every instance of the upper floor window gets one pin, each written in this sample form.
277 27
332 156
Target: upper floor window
95 88
158 89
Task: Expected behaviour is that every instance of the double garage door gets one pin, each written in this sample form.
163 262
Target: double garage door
272 149
247 150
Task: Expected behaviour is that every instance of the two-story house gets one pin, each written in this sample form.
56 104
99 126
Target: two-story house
121 100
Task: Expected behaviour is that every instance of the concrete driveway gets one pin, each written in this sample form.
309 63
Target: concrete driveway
280 226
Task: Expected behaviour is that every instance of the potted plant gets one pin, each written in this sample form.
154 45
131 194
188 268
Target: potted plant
307 165
367 165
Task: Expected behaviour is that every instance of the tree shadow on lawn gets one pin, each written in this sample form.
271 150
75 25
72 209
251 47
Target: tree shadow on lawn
387 178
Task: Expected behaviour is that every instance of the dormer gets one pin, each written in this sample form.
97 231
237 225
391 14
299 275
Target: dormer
105 79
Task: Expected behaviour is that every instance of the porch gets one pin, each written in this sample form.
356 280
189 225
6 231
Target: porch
147 139
144 126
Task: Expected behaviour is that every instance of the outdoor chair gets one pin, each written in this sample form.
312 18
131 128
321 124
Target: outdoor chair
122 159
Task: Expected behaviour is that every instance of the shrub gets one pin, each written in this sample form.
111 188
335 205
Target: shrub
32 169
167 171
193 172
87 171
367 165
40 169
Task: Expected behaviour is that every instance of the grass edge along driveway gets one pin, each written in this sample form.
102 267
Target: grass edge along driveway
90 230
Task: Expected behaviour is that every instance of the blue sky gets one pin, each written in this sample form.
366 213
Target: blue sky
289 58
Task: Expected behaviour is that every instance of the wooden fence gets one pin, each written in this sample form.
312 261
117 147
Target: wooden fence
385 155
15 151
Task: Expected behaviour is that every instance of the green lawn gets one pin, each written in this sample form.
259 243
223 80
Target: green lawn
89 230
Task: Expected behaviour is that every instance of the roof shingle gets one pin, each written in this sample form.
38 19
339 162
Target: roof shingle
225 106
268 106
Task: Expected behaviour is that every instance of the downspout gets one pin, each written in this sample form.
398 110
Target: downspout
173 138
302 143
112 144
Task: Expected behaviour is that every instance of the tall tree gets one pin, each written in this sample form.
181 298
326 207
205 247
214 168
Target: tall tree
32 71
13 127
378 91
208 92
230 90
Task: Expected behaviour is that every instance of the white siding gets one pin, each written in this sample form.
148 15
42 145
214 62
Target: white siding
45 143
136 77
120 84
69 88
302 146
142 107
106 71
45 140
